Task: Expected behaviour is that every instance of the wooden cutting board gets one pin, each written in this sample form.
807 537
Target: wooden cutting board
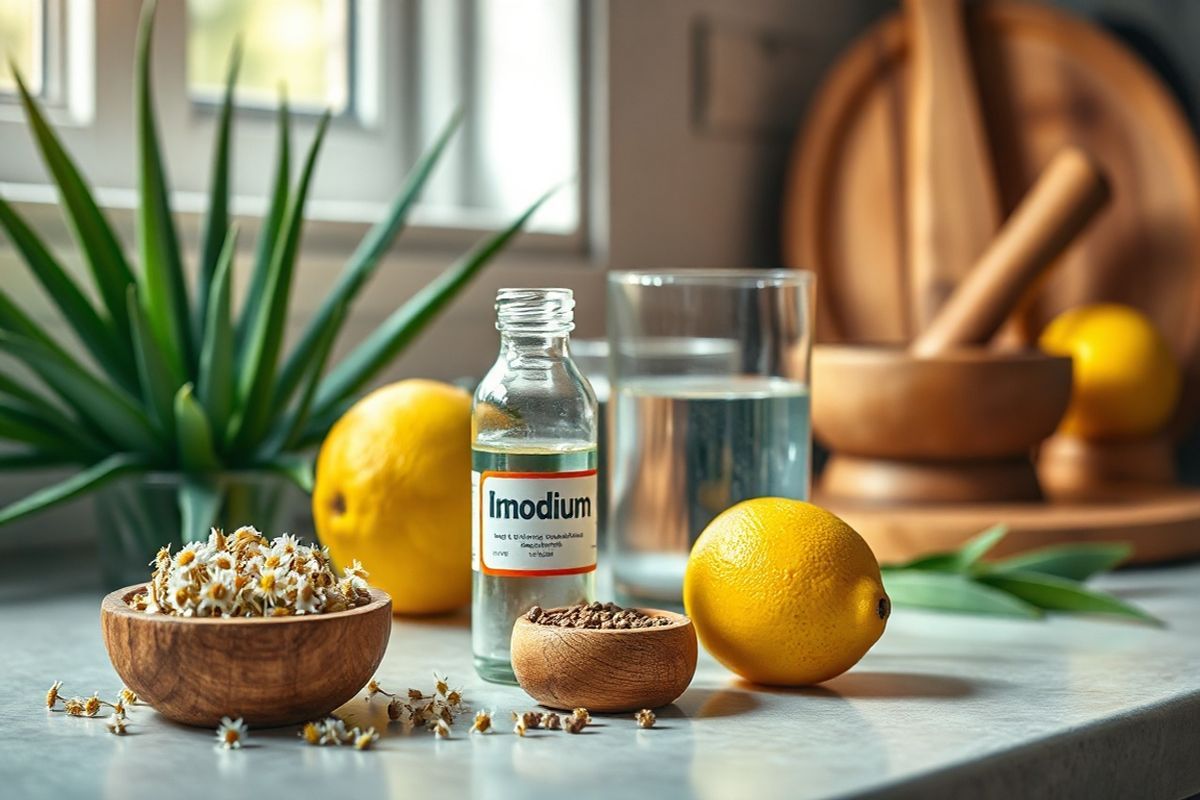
1046 79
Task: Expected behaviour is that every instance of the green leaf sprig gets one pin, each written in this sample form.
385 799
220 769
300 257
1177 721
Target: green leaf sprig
1026 585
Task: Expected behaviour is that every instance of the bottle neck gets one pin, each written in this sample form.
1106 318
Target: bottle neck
522 349
534 325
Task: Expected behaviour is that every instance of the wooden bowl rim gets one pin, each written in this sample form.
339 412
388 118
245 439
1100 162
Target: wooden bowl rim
677 621
889 355
115 603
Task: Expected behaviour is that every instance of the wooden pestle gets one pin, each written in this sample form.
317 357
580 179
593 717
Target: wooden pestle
1067 194
953 204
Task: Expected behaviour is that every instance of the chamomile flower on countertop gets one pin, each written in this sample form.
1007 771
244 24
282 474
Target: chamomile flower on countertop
52 697
441 729
482 723
74 706
91 706
364 739
334 731
231 733
116 724
312 733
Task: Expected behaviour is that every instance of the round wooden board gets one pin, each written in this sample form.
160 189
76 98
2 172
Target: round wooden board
1046 79
1162 525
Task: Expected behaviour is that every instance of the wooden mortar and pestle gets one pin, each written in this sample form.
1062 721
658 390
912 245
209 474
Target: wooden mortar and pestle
948 419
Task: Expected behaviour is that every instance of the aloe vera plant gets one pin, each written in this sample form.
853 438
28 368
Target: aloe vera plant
173 380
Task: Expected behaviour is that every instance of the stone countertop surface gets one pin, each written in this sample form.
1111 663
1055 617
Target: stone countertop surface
944 705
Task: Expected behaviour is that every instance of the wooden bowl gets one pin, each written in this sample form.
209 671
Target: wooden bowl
267 670
605 670
957 427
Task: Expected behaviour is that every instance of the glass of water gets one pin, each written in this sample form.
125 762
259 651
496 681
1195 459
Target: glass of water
709 406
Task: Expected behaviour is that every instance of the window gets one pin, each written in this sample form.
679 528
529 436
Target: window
22 23
392 71
303 44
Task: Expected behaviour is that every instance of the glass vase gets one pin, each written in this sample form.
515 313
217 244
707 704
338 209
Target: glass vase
138 514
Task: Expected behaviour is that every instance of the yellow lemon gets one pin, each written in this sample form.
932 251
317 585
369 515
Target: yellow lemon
783 592
1126 381
393 489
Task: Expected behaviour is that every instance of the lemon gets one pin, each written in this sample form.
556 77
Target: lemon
1126 381
393 490
783 592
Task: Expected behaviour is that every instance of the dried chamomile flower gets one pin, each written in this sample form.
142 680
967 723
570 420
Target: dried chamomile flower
244 575
52 696
231 733
645 718
582 713
454 699
117 724
532 719
128 696
91 706
441 729
396 709
574 724
519 728
74 706
442 687
364 739
415 694
552 722
334 732
312 733
482 723
373 688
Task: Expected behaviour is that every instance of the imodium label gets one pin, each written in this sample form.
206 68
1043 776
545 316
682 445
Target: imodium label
534 523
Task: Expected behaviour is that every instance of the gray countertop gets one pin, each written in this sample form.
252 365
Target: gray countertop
943 705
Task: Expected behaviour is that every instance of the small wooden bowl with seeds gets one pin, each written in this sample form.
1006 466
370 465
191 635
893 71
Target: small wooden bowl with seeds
268 670
565 664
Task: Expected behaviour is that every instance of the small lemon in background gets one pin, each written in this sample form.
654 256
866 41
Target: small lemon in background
1126 381
393 490
783 592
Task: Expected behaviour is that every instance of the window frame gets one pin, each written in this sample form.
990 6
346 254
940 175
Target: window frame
94 118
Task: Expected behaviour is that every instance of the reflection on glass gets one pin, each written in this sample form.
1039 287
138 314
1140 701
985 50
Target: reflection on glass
21 42
301 44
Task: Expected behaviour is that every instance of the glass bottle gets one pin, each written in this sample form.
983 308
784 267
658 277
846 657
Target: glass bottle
533 479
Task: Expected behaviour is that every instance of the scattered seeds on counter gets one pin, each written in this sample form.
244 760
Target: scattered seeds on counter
231 733
440 710
645 718
595 615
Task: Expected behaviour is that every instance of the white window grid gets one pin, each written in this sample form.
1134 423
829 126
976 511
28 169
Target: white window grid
412 66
